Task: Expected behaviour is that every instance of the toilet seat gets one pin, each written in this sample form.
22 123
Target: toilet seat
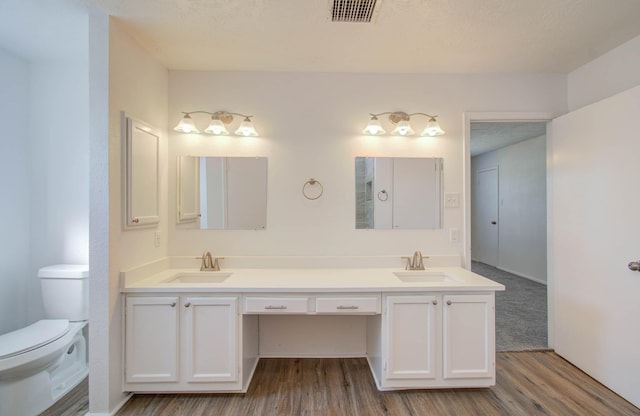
32 337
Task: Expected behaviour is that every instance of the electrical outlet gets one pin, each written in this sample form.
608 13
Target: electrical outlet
454 235
452 200
156 239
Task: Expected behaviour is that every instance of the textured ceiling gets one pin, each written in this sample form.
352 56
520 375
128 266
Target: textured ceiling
488 136
420 36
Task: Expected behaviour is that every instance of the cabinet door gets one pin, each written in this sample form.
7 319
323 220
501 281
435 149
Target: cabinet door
142 173
411 323
210 339
469 340
151 339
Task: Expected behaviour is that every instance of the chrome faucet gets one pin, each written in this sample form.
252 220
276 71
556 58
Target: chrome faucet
209 263
415 263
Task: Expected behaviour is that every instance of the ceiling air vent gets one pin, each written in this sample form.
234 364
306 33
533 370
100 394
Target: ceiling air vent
354 11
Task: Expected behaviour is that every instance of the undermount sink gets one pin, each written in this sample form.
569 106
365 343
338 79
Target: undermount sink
199 277
421 276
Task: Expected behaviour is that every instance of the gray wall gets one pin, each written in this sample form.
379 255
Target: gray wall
14 182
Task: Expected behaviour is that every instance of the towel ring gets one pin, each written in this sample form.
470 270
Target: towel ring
384 194
312 182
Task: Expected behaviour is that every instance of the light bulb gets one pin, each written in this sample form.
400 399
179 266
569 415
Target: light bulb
246 128
403 128
374 128
432 128
186 125
216 127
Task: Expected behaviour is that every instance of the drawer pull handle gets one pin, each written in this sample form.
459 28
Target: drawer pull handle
347 307
275 307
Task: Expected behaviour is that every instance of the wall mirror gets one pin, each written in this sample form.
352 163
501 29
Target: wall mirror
142 145
223 193
398 193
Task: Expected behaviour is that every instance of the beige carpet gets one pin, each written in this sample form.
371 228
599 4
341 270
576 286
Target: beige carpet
521 310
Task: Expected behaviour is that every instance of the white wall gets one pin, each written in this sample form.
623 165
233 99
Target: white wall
611 73
100 300
522 209
138 86
14 182
310 126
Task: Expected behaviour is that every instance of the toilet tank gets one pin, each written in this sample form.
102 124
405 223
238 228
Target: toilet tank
65 291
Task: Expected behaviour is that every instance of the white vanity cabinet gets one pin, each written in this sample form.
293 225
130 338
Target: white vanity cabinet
436 340
182 343
423 330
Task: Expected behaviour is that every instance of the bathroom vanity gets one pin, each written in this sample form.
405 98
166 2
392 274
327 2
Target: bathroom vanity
193 331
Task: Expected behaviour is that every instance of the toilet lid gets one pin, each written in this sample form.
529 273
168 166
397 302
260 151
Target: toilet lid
32 337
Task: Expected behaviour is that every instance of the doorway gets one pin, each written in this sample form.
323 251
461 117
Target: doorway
508 241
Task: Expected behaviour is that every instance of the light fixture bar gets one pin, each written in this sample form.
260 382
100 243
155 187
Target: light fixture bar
401 121
217 126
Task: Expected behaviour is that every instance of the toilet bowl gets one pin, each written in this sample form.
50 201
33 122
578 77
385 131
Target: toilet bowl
43 361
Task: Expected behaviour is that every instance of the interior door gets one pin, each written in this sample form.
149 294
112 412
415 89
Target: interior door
487 210
594 207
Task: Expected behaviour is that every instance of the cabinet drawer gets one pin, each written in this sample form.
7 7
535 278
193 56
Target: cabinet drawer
348 306
268 305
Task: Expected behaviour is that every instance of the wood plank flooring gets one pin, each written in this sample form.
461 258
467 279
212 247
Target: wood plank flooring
528 383
74 403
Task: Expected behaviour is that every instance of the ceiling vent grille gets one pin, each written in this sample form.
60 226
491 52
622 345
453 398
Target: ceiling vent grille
353 11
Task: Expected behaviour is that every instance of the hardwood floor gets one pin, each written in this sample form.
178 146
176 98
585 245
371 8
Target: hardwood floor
528 383
74 403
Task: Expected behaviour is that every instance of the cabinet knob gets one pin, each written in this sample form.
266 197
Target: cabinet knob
449 302
186 305
135 220
173 305
634 266
435 302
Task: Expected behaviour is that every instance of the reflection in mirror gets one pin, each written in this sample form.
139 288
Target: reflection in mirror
188 188
231 191
398 193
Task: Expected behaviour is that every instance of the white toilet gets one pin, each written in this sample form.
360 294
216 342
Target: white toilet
42 362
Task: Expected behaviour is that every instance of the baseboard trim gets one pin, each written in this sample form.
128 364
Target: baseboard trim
115 409
543 282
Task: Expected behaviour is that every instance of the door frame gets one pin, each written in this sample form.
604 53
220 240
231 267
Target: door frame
468 118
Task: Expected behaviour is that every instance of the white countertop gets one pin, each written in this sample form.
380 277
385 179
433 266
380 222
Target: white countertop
297 280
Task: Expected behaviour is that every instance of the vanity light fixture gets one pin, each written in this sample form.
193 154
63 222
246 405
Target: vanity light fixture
217 126
401 121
